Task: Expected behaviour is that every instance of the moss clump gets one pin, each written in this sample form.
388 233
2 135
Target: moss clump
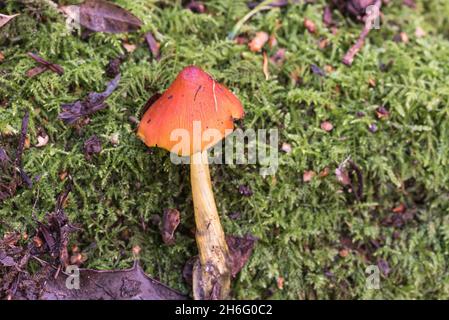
301 226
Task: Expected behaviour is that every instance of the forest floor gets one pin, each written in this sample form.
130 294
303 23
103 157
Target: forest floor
388 112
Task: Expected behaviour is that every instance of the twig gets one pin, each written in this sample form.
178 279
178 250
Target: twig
369 20
49 65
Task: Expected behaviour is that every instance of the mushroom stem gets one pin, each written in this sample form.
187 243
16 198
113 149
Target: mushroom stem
215 278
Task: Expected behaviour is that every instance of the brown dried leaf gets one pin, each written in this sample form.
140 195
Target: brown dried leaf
170 222
72 112
258 41
102 16
128 284
308 175
4 19
240 249
327 126
153 45
309 25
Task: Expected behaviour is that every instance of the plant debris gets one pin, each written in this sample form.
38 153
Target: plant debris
4 19
129 284
245 191
52 282
358 9
309 25
326 126
345 175
113 67
102 16
170 221
91 147
42 140
258 41
308 175
240 249
72 112
44 66
13 175
153 45
196 6
317 70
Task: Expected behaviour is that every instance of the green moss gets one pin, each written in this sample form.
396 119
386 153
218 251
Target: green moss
299 224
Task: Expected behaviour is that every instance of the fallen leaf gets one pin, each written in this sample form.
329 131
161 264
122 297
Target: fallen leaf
372 82
279 57
327 126
113 67
170 221
128 284
129 47
42 141
308 175
4 19
328 69
72 112
240 249
102 16
399 209
309 25
343 253
324 173
382 113
92 146
2 56
323 43
317 70
153 45
327 17
258 41
6 260
342 176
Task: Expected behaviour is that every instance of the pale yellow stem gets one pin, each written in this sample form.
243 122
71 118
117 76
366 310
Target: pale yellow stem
214 278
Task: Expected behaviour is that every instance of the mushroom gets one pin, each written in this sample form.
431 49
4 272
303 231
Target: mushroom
196 104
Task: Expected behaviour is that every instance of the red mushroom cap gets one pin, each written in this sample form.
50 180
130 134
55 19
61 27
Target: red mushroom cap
194 96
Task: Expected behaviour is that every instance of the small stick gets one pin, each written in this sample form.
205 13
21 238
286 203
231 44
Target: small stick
49 65
369 20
